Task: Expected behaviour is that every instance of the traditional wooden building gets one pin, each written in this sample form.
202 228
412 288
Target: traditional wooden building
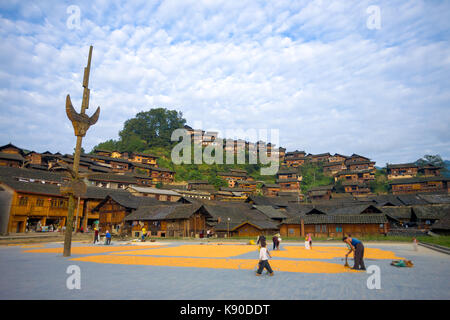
295 154
356 188
11 156
115 207
322 157
111 180
355 158
270 189
320 193
250 185
337 158
398 171
102 152
334 226
361 165
158 194
174 220
232 176
355 175
426 215
429 170
331 168
144 158
420 184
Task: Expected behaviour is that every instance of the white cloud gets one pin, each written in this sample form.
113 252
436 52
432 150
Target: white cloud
311 69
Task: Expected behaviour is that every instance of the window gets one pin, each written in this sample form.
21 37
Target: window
338 228
39 202
317 228
324 228
291 231
23 201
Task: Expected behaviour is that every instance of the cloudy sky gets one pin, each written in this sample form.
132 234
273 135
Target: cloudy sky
366 77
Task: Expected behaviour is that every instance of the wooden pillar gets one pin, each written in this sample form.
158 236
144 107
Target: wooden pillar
302 227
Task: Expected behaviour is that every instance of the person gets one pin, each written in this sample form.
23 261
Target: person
307 243
310 240
264 256
108 238
275 242
96 235
358 248
260 239
144 234
278 241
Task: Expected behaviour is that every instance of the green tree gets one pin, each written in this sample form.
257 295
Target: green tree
153 128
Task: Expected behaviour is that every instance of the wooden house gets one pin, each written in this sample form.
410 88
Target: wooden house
429 170
11 156
337 158
356 188
334 226
295 154
322 157
355 175
115 207
144 158
111 180
102 152
426 215
360 165
320 193
420 184
158 194
232 176
174 220
250 185
332 168
398 171
270 189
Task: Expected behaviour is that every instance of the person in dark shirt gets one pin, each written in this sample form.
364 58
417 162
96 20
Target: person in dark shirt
358 248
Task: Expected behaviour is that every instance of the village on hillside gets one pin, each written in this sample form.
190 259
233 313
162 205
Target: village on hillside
127 191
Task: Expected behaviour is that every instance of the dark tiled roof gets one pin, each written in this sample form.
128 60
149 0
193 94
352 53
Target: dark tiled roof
411 199
442 224
338 219
418 180
271 212
163 212
112 177
11 156
435 198
401 165
397 212
431 211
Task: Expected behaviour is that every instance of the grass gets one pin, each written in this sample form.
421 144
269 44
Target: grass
441 240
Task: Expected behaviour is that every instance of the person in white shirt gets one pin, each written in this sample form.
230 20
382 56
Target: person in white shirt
264 256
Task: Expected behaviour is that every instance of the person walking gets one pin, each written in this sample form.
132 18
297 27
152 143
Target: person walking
358 248
310 240
108 238
261 238
264 256
96 235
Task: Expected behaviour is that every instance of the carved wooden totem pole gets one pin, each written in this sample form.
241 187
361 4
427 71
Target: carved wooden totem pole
81 123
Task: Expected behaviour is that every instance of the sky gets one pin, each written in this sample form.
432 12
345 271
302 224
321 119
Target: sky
364 77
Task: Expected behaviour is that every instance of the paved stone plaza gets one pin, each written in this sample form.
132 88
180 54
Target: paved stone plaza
213 270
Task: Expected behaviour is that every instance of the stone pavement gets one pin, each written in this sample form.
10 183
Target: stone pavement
198 270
